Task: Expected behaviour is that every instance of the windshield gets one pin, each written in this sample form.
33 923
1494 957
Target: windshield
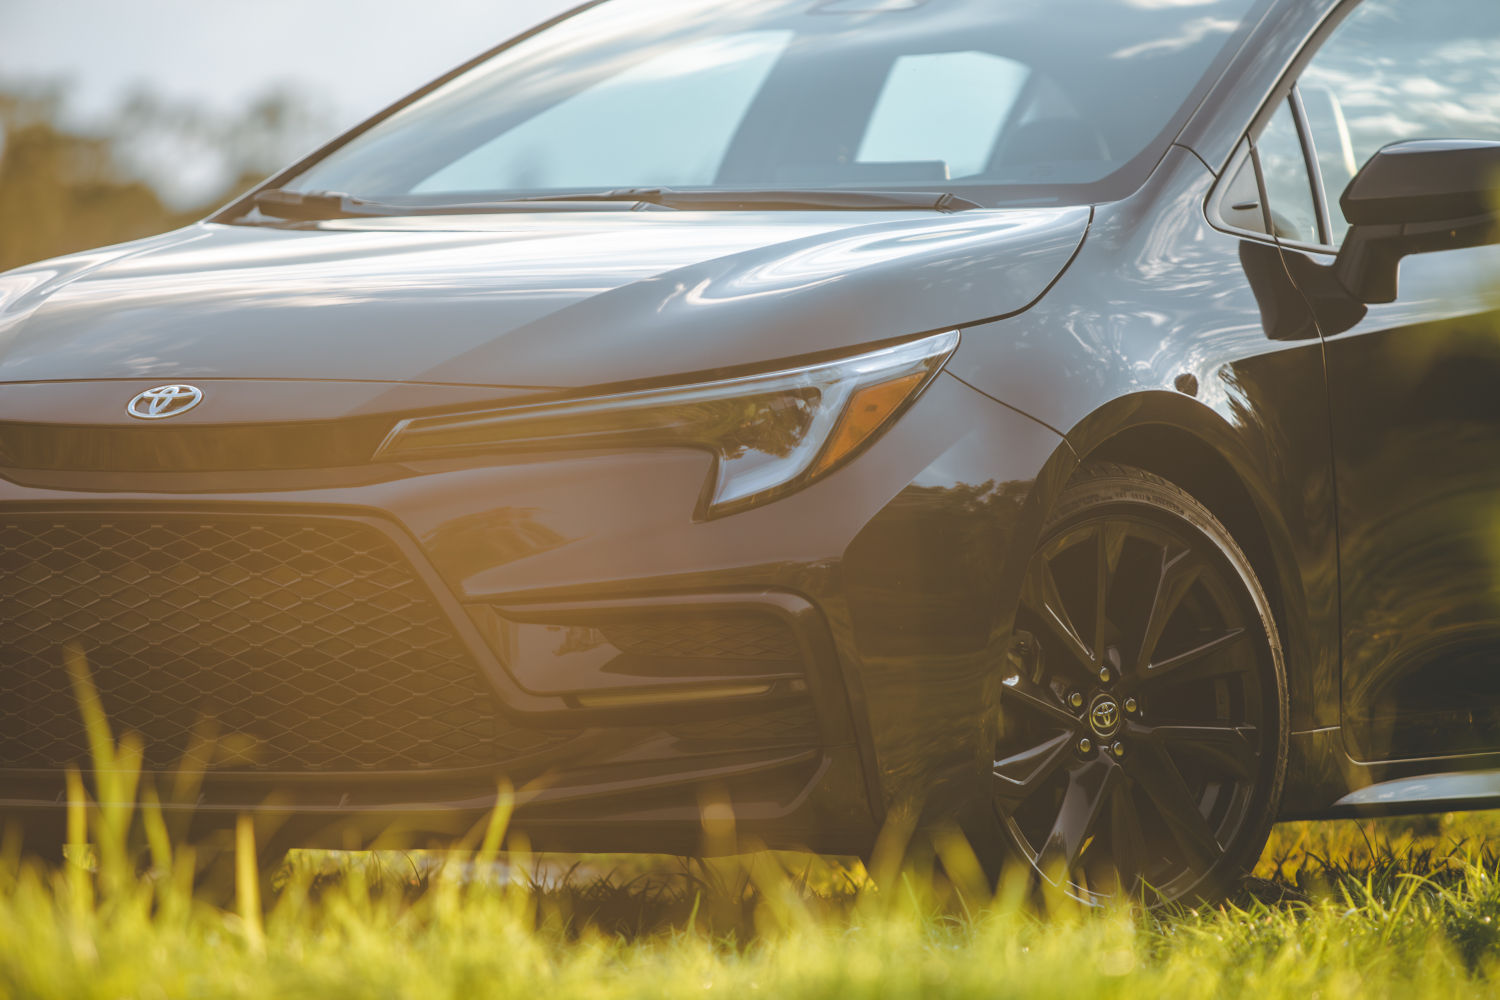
1001 101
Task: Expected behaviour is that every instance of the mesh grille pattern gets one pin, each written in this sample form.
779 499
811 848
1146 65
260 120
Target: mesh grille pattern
310 646
731 637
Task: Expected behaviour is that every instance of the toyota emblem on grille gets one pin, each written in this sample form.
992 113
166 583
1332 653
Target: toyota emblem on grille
165 401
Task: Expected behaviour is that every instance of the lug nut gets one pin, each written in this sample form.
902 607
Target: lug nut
1118 749
1104 675
1085 745
1076 699
1130 706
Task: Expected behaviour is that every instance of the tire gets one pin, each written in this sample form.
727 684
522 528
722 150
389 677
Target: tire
1143 734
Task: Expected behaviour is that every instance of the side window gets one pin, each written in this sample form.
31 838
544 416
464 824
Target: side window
1294 212
1239 200
1396 70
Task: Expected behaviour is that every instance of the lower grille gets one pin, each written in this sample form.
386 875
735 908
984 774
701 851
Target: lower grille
303 645
697 637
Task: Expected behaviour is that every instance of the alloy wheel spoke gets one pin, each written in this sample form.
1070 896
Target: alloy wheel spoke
1021 774
1178 574
1232 747
1043 600
1152 768
1169 666
1082 804
1037 699
1110 541
1126 836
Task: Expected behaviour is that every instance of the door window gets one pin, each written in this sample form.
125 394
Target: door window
1294 213
1397 70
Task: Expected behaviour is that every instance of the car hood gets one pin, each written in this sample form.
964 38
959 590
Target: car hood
558 300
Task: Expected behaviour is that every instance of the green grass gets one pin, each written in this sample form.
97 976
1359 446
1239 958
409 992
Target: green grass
1407 909
1400 910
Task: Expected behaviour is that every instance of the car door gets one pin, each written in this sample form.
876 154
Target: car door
1414 386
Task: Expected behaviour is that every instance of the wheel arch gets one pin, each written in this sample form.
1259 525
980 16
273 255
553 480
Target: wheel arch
1189 444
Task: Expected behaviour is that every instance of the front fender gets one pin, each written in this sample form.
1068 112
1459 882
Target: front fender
1283 522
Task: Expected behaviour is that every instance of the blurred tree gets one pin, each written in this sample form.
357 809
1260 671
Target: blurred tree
62 190
208 155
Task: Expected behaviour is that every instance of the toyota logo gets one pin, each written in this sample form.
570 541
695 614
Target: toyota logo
165 401
1104 716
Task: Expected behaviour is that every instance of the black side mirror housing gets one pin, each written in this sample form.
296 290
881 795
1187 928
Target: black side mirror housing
1416 197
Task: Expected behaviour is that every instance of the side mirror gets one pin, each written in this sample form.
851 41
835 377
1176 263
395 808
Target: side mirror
1416 197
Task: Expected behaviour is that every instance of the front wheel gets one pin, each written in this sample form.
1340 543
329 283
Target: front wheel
1143 735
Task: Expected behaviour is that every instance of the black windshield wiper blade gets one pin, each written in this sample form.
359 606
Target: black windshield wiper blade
322 205
753 199
303 205
310 206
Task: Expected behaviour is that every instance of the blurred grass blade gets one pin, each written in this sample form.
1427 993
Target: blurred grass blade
247 883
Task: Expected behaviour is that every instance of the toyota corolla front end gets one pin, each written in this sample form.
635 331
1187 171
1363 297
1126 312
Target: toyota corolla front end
275 488
653 412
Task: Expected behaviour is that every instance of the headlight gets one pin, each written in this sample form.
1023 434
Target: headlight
771 433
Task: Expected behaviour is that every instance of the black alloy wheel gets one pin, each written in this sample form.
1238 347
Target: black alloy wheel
1143 735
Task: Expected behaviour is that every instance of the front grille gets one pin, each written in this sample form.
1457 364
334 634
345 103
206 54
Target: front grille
303 645
313 445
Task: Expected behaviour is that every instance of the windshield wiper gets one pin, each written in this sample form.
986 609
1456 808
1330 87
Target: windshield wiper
320 205
752 199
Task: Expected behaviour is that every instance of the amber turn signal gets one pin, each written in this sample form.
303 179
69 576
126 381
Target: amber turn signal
867 412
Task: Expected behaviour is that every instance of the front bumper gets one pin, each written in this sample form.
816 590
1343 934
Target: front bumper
814 661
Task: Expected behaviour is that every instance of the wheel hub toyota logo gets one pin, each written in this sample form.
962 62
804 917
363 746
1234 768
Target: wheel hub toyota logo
165 401
1104 716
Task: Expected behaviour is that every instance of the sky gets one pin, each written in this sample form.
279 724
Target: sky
358 55
350 58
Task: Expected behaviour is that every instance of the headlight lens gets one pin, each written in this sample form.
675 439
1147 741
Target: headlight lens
771 433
